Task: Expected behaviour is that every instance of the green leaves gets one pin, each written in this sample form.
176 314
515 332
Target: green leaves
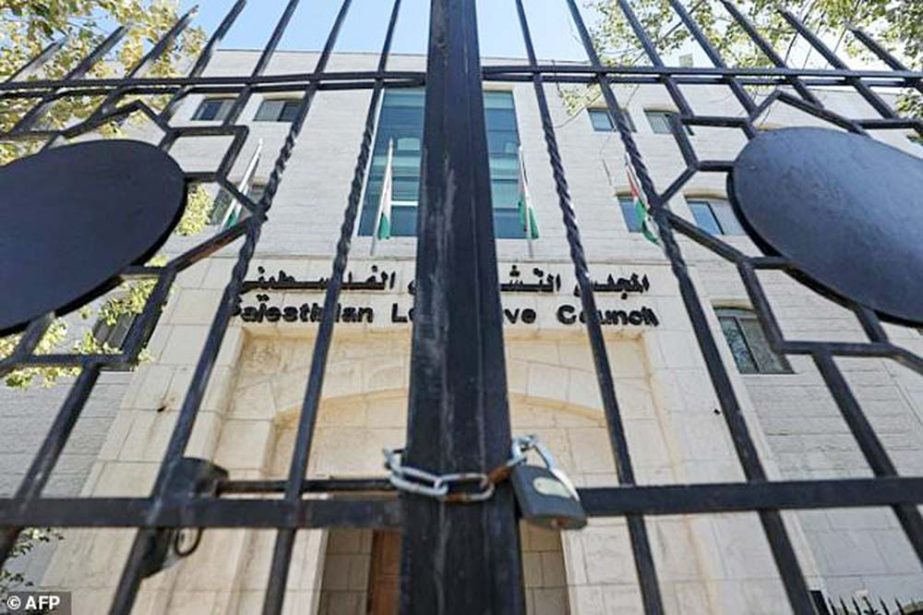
27 27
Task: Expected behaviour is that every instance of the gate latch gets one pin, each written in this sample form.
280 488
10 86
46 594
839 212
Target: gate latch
193 478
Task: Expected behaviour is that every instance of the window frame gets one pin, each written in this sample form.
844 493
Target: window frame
737 314
626 200
666 113
280 117
501 167
596 111
104 333
227 102
709 202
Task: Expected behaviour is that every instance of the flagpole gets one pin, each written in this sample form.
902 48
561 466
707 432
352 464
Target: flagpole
385 193
525 202
243 186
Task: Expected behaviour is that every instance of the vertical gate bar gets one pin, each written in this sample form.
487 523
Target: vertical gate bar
864 90
871 447
769 52
779 541
27 122
885 56
139 68
204 57
56 438
130 580
31 66
29 341
285 539
268 51
637 530
47 456
457 558
738 90
871 324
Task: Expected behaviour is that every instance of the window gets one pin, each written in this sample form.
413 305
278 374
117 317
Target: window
630 213
660 121
113 335
213 109
224 203
401 122
602 123
715 216
278 110
749 346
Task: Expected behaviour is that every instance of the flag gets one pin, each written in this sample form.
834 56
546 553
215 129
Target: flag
526 210
232 215
642 209
383 226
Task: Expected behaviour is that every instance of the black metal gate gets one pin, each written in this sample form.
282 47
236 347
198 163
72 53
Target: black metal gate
459 559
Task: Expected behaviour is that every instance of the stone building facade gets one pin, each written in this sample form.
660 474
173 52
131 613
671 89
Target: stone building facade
706 563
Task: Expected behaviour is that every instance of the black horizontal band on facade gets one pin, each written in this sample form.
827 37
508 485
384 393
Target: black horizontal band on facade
384 511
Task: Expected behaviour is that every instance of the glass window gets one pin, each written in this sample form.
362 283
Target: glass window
225 202
255 192
213 109
715 216
278 110
660 121
749 346
401 123
602 123
630 213
113 335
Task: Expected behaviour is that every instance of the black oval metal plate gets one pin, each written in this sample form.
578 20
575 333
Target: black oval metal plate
844 208
74 217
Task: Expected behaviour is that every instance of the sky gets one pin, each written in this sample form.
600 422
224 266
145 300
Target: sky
364 30
553 31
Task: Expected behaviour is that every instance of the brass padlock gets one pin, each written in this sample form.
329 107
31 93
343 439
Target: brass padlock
545 495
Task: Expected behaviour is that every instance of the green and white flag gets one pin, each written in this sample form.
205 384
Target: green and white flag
642 208
526 209
383 224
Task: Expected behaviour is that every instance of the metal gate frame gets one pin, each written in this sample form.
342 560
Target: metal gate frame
457 353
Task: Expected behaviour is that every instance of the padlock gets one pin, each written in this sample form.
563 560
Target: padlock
545 495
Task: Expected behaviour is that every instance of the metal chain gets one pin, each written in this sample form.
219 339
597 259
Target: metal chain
443 487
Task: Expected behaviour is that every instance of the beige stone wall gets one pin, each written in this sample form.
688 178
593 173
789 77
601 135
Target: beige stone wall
715 564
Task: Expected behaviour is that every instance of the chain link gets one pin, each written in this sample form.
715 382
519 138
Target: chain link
445 487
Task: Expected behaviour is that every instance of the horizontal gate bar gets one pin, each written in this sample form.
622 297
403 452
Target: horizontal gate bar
205 513
749 497
384 511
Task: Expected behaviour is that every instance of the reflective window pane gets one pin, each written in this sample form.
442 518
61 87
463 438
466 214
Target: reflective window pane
600 120
213 109
277 110
735 339
630 214
660 121
727 220
704 217
401 124
767 361
748 344
602 123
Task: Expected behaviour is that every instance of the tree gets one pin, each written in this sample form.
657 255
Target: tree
26 28
897 24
